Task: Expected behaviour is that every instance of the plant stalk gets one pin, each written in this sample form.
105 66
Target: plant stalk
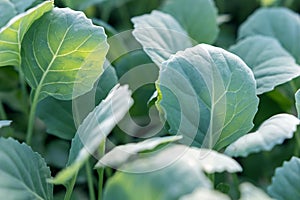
101 171
297 147
70 188
31 119
24 93
100 182
90 180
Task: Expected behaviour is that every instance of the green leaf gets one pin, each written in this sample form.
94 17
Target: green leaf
286 181
62 123
217 86
272 132
205 194
165 175
23 173
10 9
4 123
297 99
272 65
124 153
79 4
197 17
59 37
279 23
56 153
12 34
249 191
160 35
94 129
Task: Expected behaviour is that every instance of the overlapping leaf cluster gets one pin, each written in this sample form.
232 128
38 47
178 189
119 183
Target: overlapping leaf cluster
60 68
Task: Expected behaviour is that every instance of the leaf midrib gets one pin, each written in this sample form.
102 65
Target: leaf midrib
45 73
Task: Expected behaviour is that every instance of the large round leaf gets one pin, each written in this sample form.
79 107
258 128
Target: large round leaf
12 34
208 95
197 17
286 181
160 35
272 65
61 50
280 23
23 173
272 132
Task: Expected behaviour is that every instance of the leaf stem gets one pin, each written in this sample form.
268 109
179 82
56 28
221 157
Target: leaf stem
297 147
90 180
24 93
293 86
100 182
70 188
100 171
32 118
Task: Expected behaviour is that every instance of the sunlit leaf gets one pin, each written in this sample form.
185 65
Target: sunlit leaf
272 132
62 50
12 34
208 95
123 153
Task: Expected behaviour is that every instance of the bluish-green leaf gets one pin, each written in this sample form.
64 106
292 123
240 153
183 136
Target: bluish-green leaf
123 153
250 192
205 194
23 173
208 95
197 17
160 35
279 23
286 181
4 123
166 175
271 64
272 132
12 34
94 129
62 123
11 8
63 54
297 99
